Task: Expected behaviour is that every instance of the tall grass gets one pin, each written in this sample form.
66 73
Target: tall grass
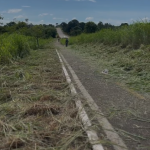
124 51
15 45
134 35
33 42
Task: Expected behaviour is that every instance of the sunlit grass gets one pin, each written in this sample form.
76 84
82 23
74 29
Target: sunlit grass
14 46
135 34
127 66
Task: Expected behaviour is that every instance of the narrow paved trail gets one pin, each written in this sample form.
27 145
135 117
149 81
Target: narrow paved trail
61 34
118 105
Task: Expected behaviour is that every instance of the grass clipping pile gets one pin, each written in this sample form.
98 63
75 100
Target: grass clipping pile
36 109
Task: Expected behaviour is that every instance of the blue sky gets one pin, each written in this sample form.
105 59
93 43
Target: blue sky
57 11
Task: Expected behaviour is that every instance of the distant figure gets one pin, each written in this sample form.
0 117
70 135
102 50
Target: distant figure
58 39
67 42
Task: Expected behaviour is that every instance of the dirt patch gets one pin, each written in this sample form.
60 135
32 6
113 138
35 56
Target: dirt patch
41 109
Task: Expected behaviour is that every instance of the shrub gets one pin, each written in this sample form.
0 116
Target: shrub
135 34
13 46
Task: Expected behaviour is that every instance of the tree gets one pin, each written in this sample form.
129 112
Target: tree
124 24
1 19
76 31
108 25
50 32
21 25
12 23
64 26
72 24
100 25
26 20
82 25
90 27
51 25
1 28
37 32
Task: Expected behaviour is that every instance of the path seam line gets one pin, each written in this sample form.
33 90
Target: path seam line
108 129
92 135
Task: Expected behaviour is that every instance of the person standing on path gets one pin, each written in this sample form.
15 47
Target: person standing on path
67 42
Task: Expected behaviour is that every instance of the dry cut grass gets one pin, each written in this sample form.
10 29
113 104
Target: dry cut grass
36 109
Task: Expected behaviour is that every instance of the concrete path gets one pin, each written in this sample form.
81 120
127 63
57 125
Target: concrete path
61 34
110 97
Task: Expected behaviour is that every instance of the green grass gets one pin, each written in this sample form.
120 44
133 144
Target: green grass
128 67
125 52
134 35
13 46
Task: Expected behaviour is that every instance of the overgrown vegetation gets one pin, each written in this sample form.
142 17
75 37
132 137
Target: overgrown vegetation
17 39
125 52
36 109
15 46
74 27
133 35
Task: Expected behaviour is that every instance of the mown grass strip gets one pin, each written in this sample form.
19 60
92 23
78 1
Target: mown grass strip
41 113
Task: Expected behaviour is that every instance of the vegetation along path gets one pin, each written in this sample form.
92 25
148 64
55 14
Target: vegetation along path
36 108
127 111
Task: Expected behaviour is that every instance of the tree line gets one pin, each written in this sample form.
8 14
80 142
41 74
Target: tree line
23 27
74 27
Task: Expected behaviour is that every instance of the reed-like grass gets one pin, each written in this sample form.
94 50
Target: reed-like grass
14 46
124 51
134 35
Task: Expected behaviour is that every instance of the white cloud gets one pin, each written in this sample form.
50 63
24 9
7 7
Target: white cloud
37 22
43 14
114 21
92 0
41 21
146 19
20 16
74 18
26 6
3 12
14 11
89 18
5 21
57 18
86 0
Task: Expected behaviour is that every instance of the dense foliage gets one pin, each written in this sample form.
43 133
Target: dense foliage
90 27
46 31
17 39
127 35
124 51
15 46
74 27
